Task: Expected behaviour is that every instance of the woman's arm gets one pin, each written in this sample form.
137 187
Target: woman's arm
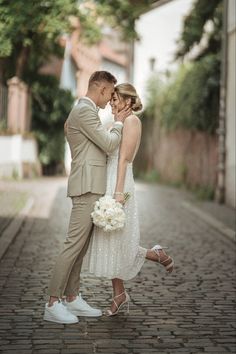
130 137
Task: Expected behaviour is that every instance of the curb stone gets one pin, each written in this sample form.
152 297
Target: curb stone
218 225
11 231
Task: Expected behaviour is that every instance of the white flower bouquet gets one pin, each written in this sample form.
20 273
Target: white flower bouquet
109 214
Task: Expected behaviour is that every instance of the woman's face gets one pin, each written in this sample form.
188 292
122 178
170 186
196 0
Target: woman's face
117 103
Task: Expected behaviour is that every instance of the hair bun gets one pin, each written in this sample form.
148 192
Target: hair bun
127 90
137 105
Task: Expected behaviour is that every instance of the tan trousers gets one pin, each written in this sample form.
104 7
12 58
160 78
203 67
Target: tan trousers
66 276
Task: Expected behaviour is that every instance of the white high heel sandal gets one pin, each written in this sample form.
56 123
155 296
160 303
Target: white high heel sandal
167 262
127 300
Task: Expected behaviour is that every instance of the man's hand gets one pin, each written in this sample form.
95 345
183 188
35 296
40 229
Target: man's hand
123 114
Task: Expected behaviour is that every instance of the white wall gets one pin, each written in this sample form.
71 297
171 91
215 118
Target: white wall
117 70
68 73
14 152
159 29
230 108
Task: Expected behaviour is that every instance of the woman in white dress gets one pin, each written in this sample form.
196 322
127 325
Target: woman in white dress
117 255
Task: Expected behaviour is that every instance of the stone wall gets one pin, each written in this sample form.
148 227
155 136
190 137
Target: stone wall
19 108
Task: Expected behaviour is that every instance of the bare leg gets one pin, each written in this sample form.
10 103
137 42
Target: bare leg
160 257
118 288
152 256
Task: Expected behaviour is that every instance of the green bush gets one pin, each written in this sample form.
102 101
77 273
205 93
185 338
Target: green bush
191 100
154 96
50 108
151 176
203 192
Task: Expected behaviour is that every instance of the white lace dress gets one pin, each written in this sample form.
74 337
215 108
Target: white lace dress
117 254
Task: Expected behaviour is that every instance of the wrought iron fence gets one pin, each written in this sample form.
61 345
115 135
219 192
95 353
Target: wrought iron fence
3 106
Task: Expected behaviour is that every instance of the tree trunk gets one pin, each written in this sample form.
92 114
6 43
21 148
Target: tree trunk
2 63
22 61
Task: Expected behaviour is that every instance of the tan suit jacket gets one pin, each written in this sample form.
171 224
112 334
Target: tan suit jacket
89 143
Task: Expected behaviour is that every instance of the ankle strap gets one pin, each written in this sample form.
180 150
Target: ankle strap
119 295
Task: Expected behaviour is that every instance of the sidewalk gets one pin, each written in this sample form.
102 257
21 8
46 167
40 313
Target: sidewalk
17 198
11 203
219 216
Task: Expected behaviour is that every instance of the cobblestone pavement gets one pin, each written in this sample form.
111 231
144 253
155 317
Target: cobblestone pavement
191 310
10 205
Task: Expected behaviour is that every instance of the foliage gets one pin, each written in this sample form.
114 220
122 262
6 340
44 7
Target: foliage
51 107
191 100
154 89
30 32
3 125
204 21
151 176
122 14
203 192
32 21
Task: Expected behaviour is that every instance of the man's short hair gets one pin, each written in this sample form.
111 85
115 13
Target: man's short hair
99 76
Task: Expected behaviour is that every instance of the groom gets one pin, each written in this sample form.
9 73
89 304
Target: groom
89 143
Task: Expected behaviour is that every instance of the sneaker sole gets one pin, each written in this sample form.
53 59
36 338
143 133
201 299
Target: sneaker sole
53 319
85 314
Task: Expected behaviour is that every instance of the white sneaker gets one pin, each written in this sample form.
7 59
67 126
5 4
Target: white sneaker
58 313
79 307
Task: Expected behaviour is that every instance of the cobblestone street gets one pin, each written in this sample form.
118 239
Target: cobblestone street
189 311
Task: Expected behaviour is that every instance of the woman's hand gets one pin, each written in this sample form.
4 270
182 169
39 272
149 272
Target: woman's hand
123 114
119 197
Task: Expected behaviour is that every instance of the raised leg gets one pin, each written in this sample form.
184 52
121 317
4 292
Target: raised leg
157 254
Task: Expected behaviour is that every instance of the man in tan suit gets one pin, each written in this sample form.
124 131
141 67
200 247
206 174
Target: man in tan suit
89 143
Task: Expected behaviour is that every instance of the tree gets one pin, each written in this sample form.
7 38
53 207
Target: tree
51 106
30 31
122 14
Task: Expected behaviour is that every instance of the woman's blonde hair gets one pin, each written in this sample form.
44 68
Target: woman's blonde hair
127 90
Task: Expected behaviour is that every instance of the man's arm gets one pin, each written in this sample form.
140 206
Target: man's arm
87 121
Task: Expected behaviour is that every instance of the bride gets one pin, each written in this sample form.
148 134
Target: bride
117 255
